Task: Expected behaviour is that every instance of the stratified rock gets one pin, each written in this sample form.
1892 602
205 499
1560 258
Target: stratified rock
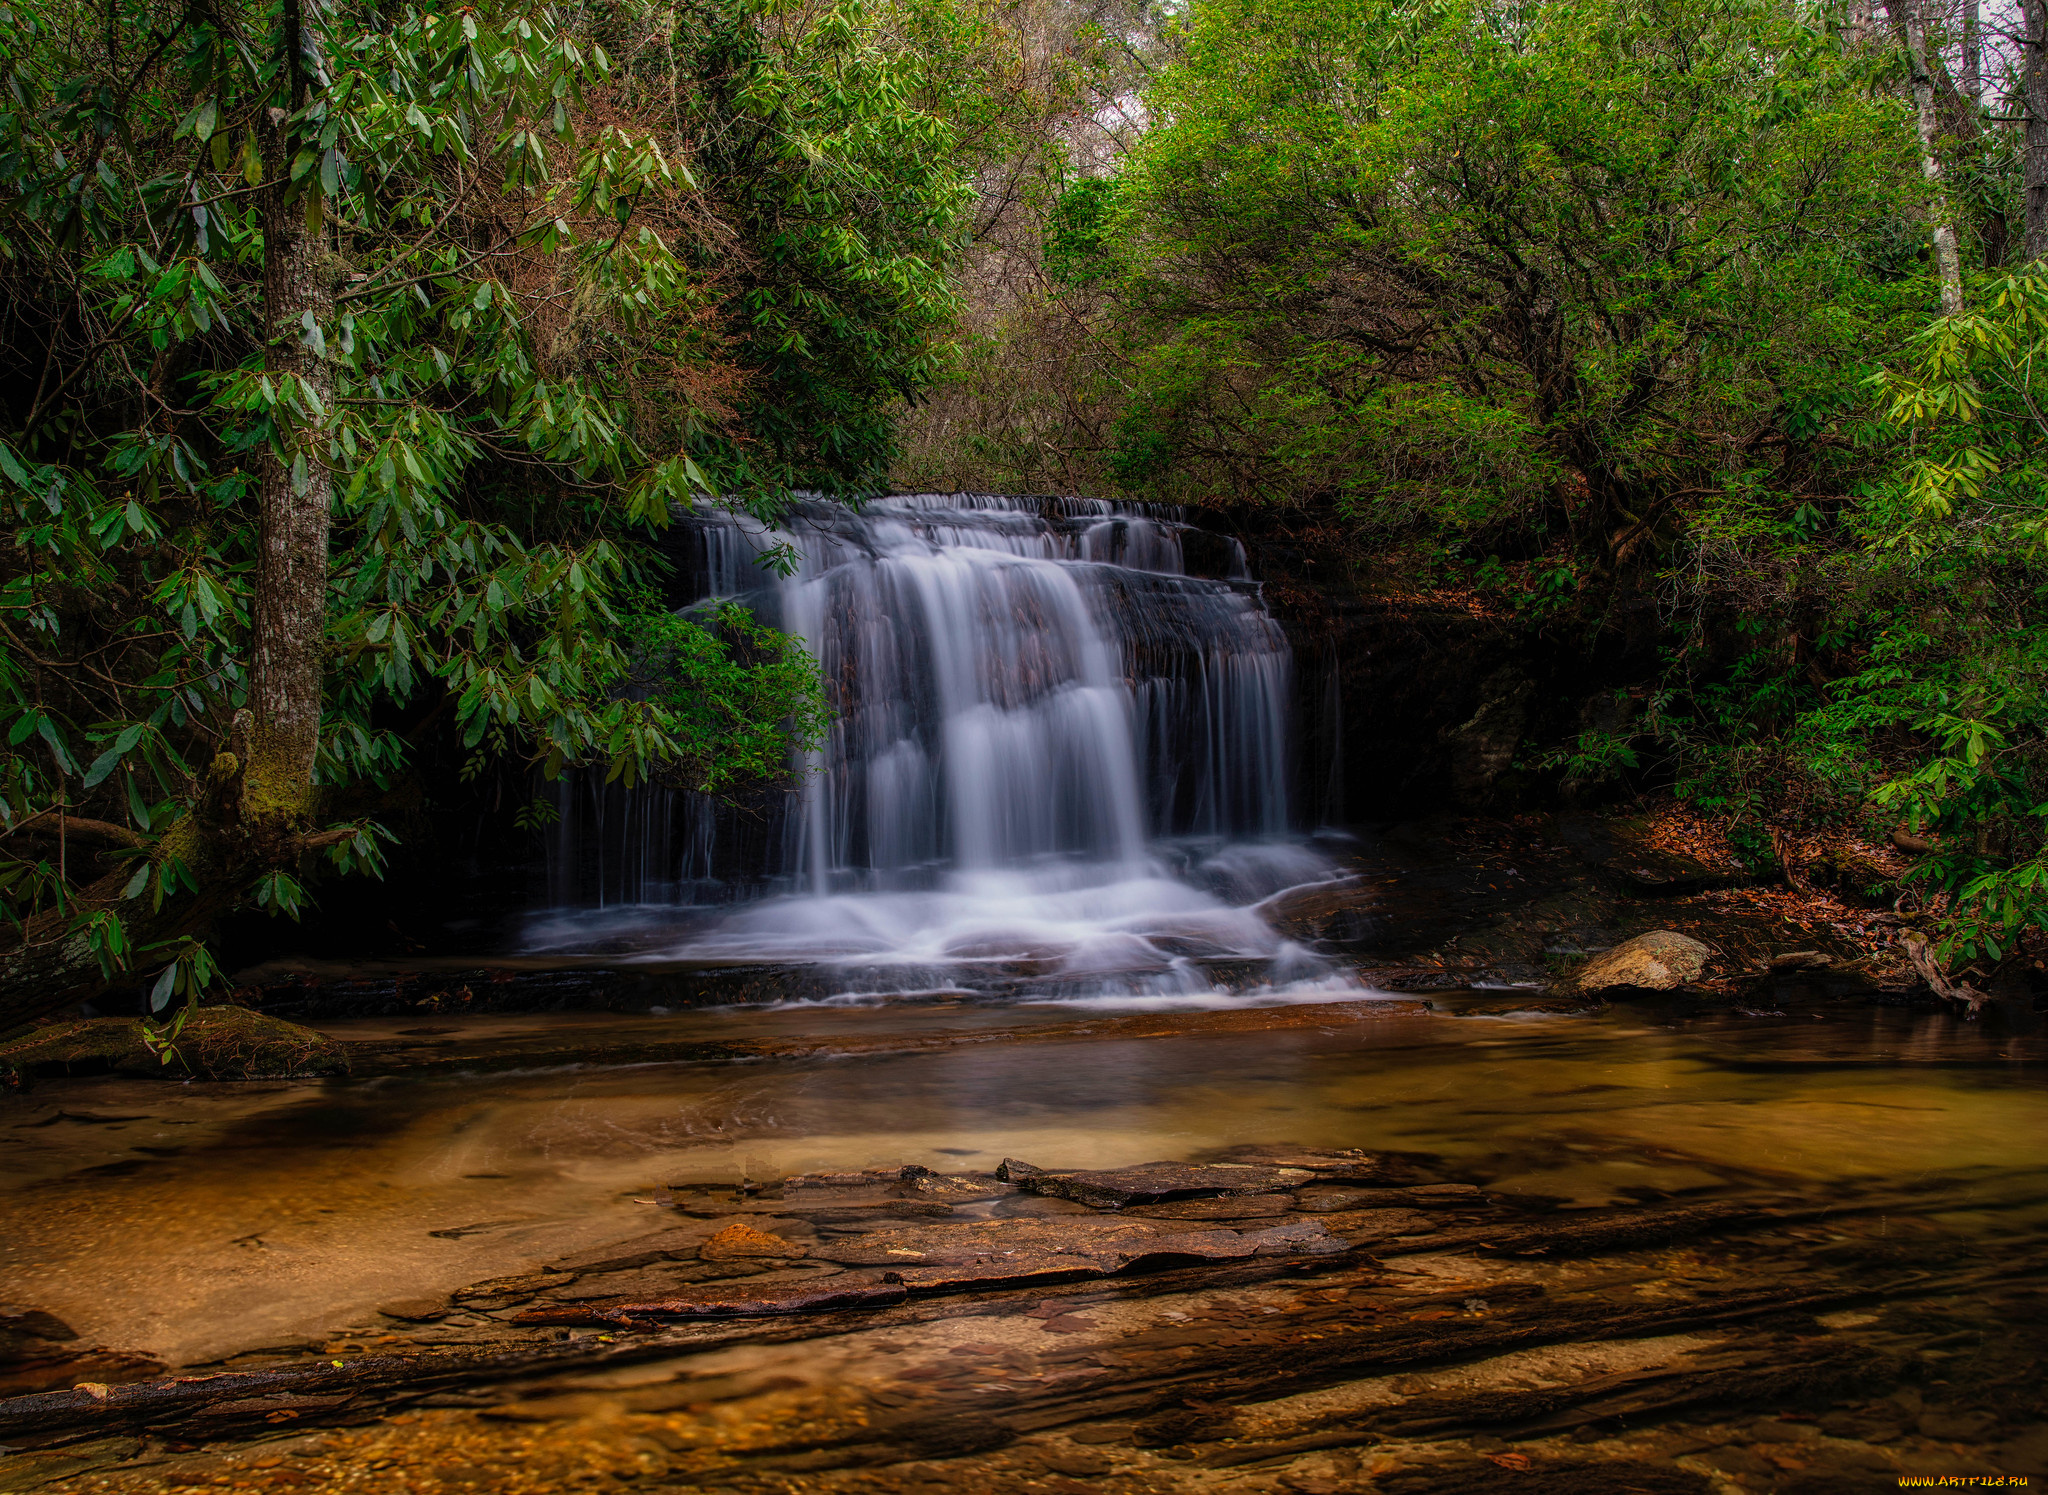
729 1302
1247 1207
1658 961
1338 911
1364 1227
1083 1239
1330 1199
1334 1165
741 1241
1155 1182
986 1252
878 1186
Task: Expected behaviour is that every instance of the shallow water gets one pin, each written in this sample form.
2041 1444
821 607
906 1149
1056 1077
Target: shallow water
195 1221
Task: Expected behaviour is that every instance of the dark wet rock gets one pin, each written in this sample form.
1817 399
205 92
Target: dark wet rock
1151 1183
40 1352
1324 913
1481 749
1085 1238
1037 1204
1364 1227
30 1331
1662 960
504 1292
882 1186
660 1280
1296 1238
886 1209
986 1252
215 1043
765 1300
1329 1199
1547 1477
34 1469
1335 1165
1247 1207
739 1241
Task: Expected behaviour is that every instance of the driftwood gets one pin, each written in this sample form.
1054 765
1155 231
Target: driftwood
1920 951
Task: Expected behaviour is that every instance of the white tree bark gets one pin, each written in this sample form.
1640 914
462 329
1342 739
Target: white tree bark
1948 262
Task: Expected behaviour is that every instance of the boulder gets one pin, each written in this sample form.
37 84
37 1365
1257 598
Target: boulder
1661 960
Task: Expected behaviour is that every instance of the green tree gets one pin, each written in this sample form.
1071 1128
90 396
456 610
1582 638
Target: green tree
347 350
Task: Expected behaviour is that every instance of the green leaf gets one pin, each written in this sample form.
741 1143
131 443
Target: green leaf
160 994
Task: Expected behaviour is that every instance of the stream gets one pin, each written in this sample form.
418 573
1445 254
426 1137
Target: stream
1038 1095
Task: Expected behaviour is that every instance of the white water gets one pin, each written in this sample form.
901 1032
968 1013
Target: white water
1057 766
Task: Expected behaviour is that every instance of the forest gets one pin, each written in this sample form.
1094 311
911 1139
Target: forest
352 359
674 672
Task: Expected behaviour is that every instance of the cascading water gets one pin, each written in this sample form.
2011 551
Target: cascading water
1057 766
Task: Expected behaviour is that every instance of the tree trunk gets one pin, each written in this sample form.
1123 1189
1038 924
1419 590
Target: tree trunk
294 495
1859 22
1973 54
2034 98
1947 262
257 800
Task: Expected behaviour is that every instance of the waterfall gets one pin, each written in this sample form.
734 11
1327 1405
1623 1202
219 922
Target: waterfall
1049 744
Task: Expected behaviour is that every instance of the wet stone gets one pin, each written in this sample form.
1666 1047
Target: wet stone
1150 1183
1362 1227
767 1299
1255 1206
1327 1199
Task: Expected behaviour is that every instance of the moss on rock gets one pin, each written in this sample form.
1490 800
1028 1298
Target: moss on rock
216 1043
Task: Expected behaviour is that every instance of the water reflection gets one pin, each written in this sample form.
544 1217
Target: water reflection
195 1220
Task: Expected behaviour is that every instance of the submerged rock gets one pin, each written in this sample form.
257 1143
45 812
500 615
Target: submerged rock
1156 1182
40 1352
1661 960
1247 1207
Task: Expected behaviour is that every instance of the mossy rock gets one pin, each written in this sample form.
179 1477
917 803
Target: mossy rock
216 1043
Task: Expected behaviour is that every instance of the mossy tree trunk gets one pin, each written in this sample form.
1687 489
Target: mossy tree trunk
257 806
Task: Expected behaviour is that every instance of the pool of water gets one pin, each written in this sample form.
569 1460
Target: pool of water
194 1221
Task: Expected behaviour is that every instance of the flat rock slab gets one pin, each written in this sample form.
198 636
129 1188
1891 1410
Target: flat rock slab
1244 1207
1086 1238
1363 1227
807 1191
1027 1246
1152 1183
1328 1199
729 1302
1335 1165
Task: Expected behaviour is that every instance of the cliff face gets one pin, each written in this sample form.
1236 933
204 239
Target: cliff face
1413 700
